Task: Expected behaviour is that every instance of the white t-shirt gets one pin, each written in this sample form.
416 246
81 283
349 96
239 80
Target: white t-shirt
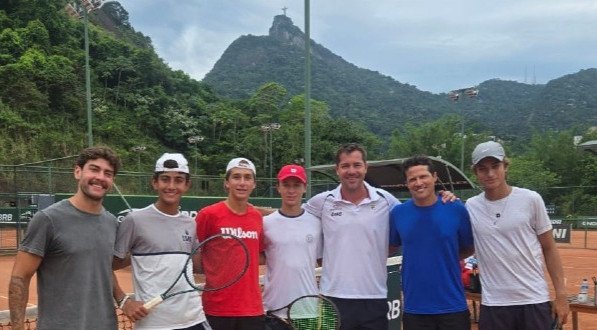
292 247
355 243
159 245
508 248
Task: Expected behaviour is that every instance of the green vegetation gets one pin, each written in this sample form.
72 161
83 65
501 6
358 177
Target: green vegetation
139 101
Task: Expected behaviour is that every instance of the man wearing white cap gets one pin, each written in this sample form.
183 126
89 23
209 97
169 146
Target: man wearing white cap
293 244
513 235
158 239
239 306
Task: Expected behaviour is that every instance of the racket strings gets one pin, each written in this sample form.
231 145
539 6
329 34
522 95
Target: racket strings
225 259
313 313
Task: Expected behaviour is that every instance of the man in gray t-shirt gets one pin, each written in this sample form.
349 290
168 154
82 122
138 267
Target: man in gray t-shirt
69 245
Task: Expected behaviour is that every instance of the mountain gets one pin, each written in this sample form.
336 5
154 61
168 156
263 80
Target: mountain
506 108
350 91
567 101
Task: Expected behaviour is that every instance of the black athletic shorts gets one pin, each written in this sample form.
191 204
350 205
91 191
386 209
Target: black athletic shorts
200 326
236 322
446 321
363 314
533 316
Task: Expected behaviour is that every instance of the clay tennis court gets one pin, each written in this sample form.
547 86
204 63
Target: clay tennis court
578 263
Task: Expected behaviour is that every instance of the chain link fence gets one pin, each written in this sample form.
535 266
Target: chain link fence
24 188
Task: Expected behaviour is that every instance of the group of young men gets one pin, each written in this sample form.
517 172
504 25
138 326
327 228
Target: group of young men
75 244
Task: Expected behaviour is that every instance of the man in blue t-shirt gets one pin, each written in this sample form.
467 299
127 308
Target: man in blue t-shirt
434 237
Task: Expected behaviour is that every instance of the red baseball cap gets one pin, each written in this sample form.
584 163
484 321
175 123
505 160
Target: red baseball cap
296 171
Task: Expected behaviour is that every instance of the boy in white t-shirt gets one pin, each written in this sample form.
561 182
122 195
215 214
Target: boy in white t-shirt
293 245
157 240
513 237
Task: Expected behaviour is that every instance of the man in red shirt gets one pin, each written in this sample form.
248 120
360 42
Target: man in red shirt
239 306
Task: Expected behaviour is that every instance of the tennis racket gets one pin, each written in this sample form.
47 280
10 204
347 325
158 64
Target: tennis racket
228 261
311 312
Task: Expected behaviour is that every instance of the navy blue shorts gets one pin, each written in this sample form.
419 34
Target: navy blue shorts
446 321
200 326
533 316
363 314
236 322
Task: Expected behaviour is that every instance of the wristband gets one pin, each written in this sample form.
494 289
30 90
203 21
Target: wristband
123 301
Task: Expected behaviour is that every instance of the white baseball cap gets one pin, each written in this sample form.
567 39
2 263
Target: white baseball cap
172 163
241 163
488 149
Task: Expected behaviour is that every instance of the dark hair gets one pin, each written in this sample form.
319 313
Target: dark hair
170 163
349 148
506 162
156 175
230 173
102 152
416 161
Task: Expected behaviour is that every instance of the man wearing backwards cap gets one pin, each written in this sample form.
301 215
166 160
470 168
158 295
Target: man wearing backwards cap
513 235
69 246
293 245
238 307
158 239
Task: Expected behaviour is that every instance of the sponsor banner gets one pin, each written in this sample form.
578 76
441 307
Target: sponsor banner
12 215
561 232
394 297
589 224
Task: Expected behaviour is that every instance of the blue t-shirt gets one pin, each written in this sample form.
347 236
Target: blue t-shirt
431 238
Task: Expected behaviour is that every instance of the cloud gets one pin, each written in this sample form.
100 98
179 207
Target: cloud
435 45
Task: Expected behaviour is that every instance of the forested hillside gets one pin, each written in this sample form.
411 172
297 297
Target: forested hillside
135 96
137 100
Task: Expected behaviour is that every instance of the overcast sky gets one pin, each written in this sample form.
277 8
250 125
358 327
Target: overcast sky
435 45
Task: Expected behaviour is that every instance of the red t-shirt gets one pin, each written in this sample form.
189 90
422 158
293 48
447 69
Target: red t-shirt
244 297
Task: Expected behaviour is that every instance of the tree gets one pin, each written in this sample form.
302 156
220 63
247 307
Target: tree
36 35
557 152
267 101
12 46
440 138
530 173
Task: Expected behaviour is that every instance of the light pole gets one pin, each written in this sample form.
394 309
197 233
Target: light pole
268 129
274 127
308 95
139 150
265 129
195 139
87 6
455 96
88 81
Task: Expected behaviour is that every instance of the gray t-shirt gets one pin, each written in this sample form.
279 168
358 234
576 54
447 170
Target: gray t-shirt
74 279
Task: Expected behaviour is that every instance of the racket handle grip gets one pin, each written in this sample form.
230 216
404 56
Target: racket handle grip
153 302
